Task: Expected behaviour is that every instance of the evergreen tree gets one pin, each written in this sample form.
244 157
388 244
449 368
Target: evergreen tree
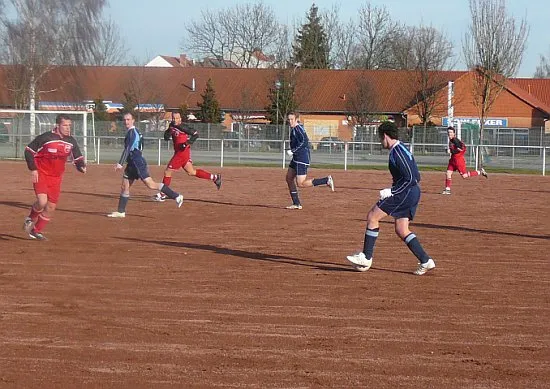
210 107
311 46
130 102
102 118
100 111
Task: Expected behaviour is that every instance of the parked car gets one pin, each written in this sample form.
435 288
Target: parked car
330 144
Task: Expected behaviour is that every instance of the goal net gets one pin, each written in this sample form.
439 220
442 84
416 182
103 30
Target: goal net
19 127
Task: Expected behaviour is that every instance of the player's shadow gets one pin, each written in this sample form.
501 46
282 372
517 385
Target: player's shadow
254 255
230 204
11 237
114 196
476 230
15 204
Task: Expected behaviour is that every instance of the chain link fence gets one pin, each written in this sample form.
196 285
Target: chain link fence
260 144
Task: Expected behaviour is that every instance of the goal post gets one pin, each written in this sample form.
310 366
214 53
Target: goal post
17 131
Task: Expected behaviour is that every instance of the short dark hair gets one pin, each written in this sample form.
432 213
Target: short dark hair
451 128
61 117
296 114
388 128
128 113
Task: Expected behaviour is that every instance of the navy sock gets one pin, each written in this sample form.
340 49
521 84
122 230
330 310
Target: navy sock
370 240
320 181
168 192
295 198
414 245
122 202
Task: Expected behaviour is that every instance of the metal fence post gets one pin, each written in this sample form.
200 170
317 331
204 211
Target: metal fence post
221 153
284 154
160 147
98 148
346 156
544 161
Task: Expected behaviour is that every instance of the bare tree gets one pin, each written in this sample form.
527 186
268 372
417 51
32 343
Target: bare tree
340 38
361 102
45 33
429 53
494 46
245 34
374 34
111 47
543 69
144 97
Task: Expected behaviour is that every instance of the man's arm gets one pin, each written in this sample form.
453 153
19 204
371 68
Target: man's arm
193 135
31 150
128 142
300 137
407 169
78 158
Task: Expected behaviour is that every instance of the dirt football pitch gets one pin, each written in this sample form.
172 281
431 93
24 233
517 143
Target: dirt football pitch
232 290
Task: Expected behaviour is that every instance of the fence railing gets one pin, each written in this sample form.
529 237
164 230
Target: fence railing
346 155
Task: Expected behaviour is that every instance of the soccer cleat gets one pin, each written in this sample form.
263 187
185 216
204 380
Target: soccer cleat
446 192
117 214
218 181
360 261
36 235
483 173
423 268
294 206
330 183
179 201
28 225
160 197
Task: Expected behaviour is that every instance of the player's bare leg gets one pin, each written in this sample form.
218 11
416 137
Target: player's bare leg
203 174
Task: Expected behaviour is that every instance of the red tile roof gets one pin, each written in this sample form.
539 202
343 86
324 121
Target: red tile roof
538 87
318 91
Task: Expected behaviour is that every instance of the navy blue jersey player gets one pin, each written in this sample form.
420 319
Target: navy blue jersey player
136 168
296 176
400 201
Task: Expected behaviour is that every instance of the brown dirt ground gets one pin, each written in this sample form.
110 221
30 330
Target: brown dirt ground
232 290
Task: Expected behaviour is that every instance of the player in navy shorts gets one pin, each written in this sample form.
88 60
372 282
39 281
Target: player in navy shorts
400 201
296 176
136 169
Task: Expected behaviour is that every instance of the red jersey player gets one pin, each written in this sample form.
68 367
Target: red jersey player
457 161
46 157
182 139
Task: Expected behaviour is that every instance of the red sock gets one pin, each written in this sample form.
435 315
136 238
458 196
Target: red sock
167 180
204 174
448 182
41 223
474 173
34 214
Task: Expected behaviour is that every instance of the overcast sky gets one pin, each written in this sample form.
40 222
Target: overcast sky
151 27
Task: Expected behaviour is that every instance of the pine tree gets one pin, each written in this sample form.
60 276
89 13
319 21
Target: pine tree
311 47
210 107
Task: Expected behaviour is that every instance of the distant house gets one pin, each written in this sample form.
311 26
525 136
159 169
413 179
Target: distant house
165 61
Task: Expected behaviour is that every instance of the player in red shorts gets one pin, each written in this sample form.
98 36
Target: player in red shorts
183 138
46 157
457 161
